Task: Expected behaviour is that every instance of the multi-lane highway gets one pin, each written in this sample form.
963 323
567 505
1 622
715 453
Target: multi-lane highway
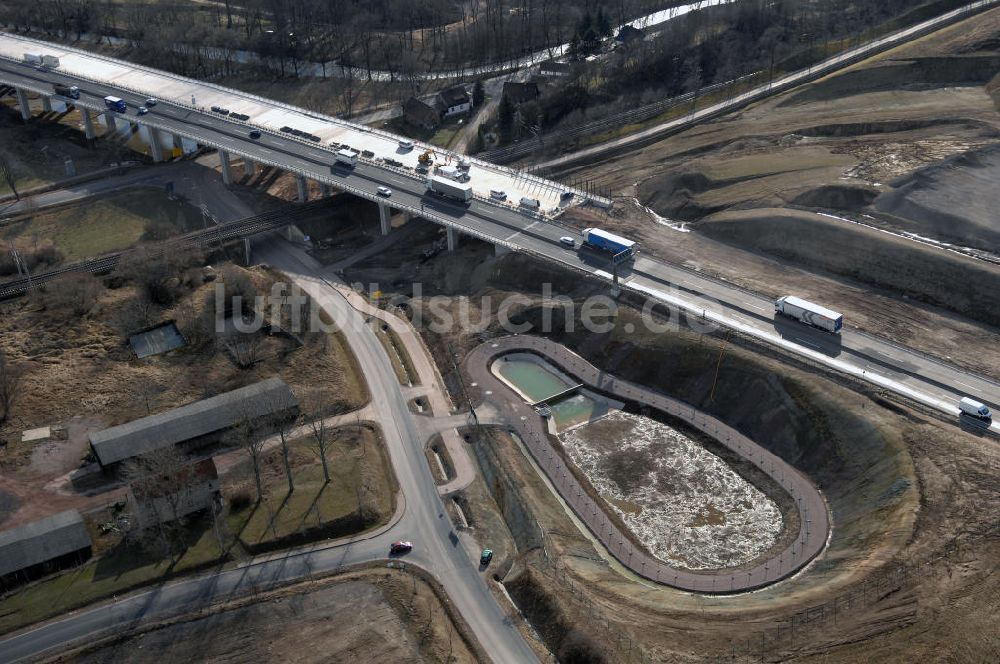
912 374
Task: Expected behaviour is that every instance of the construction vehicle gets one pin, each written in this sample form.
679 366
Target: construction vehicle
426 158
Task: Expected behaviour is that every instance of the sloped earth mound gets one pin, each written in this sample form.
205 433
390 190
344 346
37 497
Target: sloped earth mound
836 197
859 463
817 244
912 74
955 200
673 195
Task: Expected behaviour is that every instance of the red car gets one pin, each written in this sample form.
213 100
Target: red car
397 548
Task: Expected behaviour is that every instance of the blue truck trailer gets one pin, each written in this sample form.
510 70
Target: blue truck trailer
115 104
616 245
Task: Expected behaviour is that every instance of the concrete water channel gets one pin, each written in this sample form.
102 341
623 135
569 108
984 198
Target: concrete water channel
537 382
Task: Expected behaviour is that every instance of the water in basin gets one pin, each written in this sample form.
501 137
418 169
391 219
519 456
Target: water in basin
531 378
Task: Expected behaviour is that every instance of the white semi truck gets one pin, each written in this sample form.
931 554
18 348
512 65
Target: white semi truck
809 313
975 409
461 191
347 158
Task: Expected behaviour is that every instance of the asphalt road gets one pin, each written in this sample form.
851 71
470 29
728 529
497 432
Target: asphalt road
424 521
893 367
913 374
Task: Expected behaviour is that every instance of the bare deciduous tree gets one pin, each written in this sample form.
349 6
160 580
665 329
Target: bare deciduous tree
320 437
244 347
161 481
10 383
77 293
7 173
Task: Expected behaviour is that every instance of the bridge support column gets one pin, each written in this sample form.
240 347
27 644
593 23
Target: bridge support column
227 169
46 104
246 249
155 148
452 238
112 123
324 190
22 103
385 221
249 167
500 250
300 183
88 124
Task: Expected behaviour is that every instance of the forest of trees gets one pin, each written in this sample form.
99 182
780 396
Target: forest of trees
724 43
400 35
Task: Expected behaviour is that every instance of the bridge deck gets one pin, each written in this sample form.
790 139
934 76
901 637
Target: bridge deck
271 116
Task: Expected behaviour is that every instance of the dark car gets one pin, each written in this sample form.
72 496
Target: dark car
400 547
254 134
286 129
486 557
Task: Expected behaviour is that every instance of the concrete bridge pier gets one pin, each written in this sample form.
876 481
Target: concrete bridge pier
300 183
324 190
88 124
249 167
385 221
452 238
22 103
227 169
46 104
112 123
500 250
246 249
155 147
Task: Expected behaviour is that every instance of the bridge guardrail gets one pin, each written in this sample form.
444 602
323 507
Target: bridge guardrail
270 102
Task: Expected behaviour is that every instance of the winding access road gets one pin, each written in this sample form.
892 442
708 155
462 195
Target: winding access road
421 519
814 515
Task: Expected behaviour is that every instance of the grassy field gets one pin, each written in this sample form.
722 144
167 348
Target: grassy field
107 224
37 152
123 567
360 494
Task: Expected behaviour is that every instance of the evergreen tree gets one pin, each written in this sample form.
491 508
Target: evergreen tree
478 94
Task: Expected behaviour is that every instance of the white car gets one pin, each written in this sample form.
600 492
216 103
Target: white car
142 110
567 241
406 145
151 102
384 191
498 195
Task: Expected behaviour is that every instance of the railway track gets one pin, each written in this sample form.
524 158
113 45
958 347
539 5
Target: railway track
220 234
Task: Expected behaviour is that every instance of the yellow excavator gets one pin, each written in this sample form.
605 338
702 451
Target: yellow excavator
426 158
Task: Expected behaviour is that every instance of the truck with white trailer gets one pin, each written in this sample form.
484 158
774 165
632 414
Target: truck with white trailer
33 58
460 191
50 61
616 245
347 158
975 409
809 313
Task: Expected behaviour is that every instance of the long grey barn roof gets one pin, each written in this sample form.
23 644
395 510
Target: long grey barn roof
42 540
192 421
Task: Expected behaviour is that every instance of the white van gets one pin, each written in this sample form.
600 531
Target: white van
406 145
531 203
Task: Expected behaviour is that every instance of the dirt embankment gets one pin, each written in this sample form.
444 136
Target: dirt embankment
366 616
954 200
806 240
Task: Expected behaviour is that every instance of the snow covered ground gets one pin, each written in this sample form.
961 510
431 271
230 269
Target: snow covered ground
687 506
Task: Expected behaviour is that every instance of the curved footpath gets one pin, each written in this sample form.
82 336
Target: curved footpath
813 513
